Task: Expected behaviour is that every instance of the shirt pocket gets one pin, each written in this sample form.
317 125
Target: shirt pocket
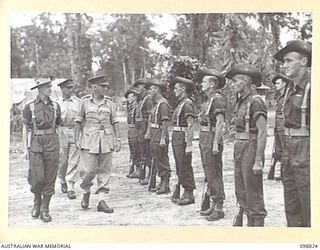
91 112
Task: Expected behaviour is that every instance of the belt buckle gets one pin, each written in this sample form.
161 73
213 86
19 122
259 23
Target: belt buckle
101 127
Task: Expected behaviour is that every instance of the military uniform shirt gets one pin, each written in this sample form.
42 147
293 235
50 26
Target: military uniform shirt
98 120
257 108
218 106
186 111
69 111
44 115
292 106
279 113
144 107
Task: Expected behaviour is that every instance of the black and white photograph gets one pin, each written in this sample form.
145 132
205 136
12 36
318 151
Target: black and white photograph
160 119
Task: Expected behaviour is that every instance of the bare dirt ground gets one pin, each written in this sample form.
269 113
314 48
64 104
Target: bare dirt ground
133 204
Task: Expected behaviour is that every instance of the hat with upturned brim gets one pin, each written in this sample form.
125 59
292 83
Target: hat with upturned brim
65 83
158 83
295 46
244 69
132 90
215 73
187 82
282 77
101 80
141 81
41 81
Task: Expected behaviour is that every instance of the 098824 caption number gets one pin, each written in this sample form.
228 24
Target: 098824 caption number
308 246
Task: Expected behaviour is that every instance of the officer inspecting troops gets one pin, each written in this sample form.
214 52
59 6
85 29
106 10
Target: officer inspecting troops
97 123
280 81
250 124
182 136
211 121
68 172
132 96
158 133
296 59
143 111
42 116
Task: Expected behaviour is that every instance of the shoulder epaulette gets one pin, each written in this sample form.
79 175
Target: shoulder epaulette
75 97
29 102
85 96
108 97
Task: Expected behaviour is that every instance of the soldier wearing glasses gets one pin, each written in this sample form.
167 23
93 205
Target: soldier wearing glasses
97 123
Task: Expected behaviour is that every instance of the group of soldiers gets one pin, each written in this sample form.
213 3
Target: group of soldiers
88 133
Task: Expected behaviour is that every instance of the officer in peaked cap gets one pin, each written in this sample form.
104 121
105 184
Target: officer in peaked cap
143 110
42 146
159 137
132 95
211 120
250 124
182 136
295 159
97 122
68 172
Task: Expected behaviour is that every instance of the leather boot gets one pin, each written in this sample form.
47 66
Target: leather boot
103 207
238 219
250 221
85 200
259 222
205 203
131 168
187 198
208 211
165 187
44 209
135 174
36 207
217 213
176 193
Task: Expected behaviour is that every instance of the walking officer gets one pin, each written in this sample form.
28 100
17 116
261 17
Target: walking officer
69 153
159 137
211 120
40 118
132 96
296 58
280 81
143 111
182 136
250 120
97 123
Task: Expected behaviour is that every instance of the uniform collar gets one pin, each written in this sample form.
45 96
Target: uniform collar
242 98
182 99
304 80
38 99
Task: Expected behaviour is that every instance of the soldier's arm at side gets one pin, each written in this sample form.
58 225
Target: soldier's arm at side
78 124
189 133
218 132
25 140
261 124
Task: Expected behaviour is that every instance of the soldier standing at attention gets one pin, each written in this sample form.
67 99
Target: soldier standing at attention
143 111
182 136
296 58
280 81
69 153
132 101
250 122
211 120
42 116
97 114
159 137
